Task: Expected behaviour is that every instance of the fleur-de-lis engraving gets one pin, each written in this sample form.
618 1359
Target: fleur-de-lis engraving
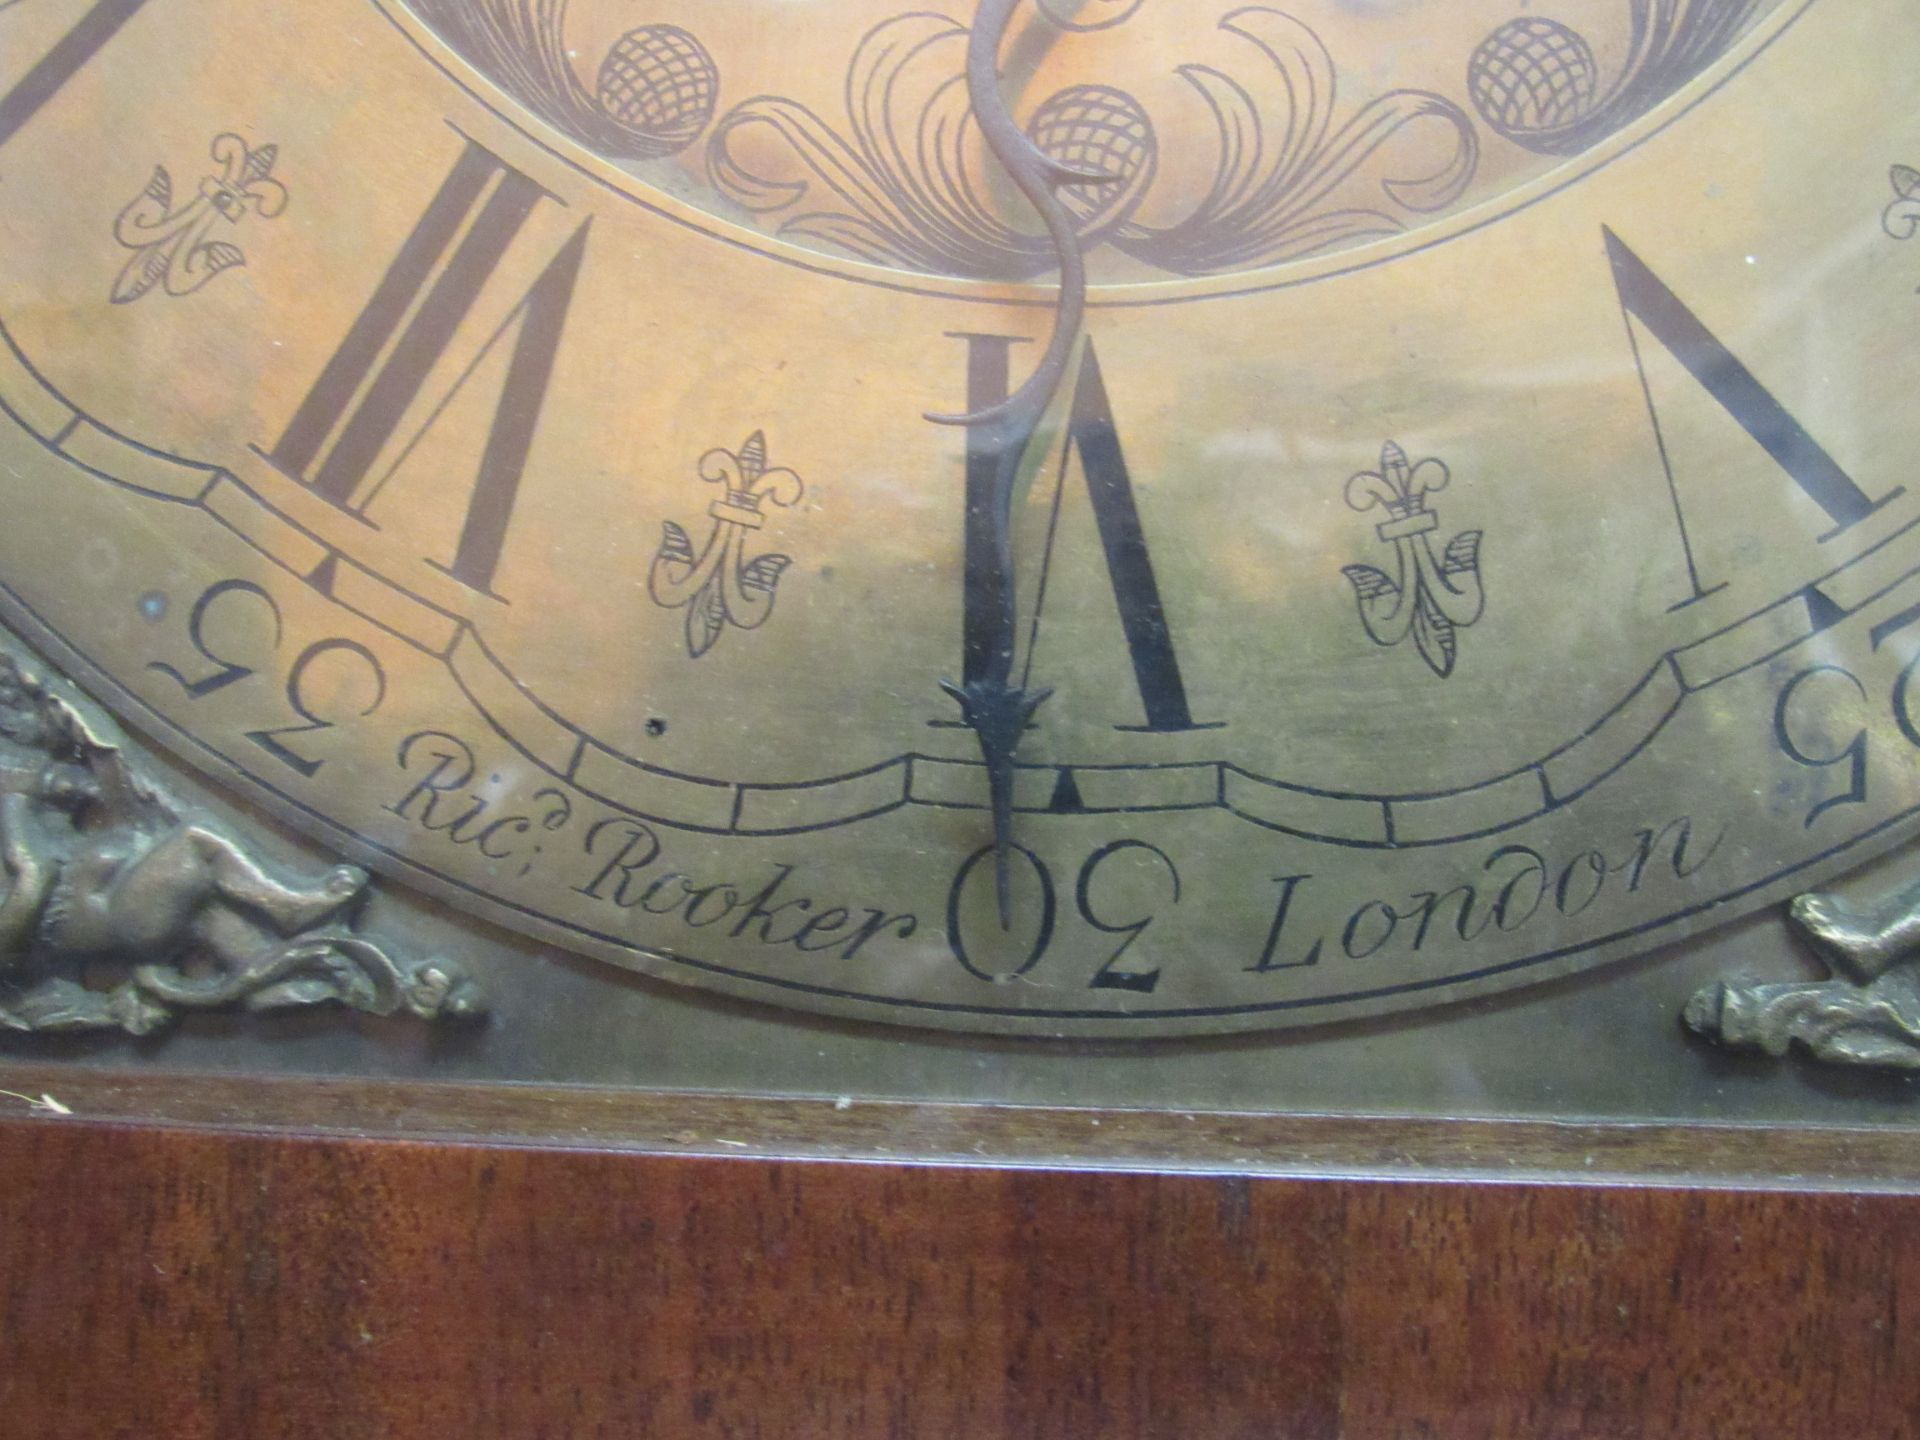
169 238
1428 597
721 586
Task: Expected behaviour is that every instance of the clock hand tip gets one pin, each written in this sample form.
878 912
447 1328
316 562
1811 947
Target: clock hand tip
998 714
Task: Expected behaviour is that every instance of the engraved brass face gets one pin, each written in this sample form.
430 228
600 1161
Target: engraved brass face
1468 539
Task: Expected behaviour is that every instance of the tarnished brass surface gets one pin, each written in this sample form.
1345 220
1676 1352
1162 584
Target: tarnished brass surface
1471 539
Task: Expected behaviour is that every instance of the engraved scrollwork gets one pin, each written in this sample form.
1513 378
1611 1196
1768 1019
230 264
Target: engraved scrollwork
1290 176
652 96
902 185
1868 1013
118 914
1538 82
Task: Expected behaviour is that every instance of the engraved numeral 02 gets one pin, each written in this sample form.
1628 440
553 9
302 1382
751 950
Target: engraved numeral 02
305 694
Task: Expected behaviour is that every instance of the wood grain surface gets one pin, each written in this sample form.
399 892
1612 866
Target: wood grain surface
162 1283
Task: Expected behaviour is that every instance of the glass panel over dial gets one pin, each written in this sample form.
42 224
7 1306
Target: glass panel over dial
1122 519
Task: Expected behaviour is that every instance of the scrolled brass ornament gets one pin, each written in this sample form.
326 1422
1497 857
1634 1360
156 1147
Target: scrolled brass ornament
1867 1014
121 915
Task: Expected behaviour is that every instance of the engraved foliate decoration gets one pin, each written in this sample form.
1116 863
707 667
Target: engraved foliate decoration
899 186
1298 152
1292 171
721 584
121 914
1428 597
172 237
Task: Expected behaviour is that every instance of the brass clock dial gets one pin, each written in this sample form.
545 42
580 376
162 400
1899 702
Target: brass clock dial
1441 517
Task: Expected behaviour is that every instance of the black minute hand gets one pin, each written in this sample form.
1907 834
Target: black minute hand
993 707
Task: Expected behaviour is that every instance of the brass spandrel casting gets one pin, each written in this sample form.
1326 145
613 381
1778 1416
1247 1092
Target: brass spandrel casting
122 915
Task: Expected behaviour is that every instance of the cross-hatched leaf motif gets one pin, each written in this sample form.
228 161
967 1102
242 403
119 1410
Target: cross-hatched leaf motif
259 164
675 547
753 456
1433 636
1462 553
706 618
159 189
221 256
139 275
1369 583
763 574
